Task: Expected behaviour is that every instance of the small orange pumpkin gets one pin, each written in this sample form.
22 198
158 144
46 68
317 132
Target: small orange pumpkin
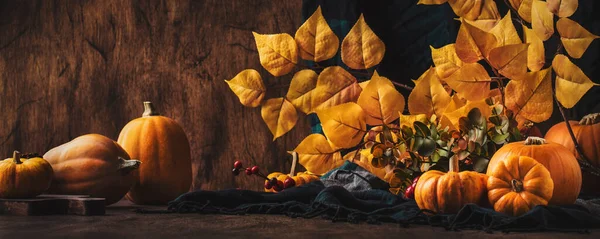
300 178
516 184
92 165
162 146
448 192
587 133
561 163
24 178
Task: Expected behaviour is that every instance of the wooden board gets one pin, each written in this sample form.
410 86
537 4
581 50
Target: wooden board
53 204
69 68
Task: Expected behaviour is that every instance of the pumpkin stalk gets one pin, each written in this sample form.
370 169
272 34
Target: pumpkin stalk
532 140
128 165
294 162
149 109
517 185
590 119
453 167
17 157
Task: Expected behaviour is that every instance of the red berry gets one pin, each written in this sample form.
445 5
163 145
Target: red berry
235 171
237 164
268 184
289 182
248 171
255 169
410 192
279 186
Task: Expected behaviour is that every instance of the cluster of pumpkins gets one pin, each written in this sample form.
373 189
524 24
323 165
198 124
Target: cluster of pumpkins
520 175
100 167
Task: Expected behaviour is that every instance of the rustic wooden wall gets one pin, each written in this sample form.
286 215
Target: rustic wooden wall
69 68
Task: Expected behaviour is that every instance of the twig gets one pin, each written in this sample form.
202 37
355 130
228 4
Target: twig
402 85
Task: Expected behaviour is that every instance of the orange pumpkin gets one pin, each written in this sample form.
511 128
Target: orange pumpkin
587 133
91 165
162 146
516 184
300 178
561 163
448 192
24 178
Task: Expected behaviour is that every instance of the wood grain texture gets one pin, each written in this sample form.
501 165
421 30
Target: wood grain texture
69 68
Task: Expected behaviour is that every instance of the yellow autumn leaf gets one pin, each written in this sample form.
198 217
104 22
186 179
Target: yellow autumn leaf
542 20
574 37
280 116
316 41
446 61
361 48
471 81
381 101
473 43
536 55
510 60
563 8
472 10
531 95
454 116
249 87
505 32
300 90
278 53
344 125
316 154
571 82
429 96
334 86
409 120
364 84
431 2
523 8
455 103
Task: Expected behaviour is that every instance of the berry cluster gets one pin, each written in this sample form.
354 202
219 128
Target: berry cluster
273 183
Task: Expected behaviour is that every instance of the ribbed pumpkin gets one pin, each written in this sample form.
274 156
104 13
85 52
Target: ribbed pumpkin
92 165
448 192
24 177
162 146
561 163
300 179
587 133
516 184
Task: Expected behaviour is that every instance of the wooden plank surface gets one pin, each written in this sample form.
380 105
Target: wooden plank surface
69 68
52 205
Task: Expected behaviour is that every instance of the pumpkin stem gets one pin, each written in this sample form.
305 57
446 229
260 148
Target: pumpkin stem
294 161
517 185
17 157
128 165
532 140
149 109
453 167
590 119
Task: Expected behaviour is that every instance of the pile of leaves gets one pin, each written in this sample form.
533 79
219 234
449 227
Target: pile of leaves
455 109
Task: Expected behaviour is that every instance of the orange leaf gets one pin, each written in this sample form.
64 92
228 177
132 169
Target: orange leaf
334 86
531 95
574 37
505 32
361 48
248 86
316 41
364 84
344 125
523 8
471 81
300 90
280 116
446 61
473 43
472 10
536 55
571 82
317 155
563 8
510 60
409 120
542 20
429 96
454 116
381 101
455 103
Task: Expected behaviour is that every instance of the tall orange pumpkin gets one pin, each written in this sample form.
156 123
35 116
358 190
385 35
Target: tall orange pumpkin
162 146
449 192
587 133
561 163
